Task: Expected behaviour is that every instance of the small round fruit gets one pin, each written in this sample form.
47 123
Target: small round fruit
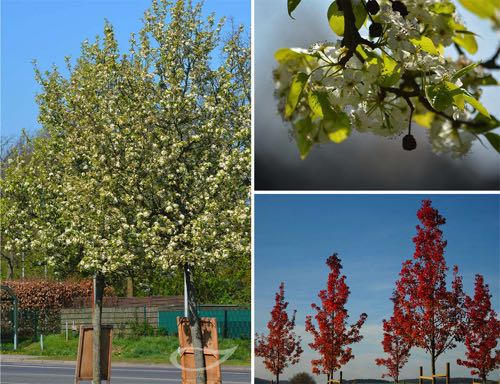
376 30
409 142
398 6
372 7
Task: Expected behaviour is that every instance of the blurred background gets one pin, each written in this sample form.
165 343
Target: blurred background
364 161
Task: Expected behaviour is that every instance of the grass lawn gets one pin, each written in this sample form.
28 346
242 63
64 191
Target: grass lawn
146 349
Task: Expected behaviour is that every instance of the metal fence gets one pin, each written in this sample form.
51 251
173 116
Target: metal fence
232 322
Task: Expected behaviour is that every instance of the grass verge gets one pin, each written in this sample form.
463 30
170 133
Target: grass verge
147 349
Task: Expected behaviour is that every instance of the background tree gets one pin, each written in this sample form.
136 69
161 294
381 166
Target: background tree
302 378
433 315
395 346
144 158
332 337
481 330
281 347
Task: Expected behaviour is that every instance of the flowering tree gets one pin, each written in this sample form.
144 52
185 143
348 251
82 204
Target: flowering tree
432 315
395 346
482 330
397 74
282 346
332 337
145 156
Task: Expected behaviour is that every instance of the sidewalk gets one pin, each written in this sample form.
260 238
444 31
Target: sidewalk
8 358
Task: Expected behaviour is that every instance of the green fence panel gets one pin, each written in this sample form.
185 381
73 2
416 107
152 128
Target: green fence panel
231 323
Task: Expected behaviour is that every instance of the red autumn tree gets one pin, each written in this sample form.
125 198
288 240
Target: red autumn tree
282 346
332 337
432 314
395 345
481 329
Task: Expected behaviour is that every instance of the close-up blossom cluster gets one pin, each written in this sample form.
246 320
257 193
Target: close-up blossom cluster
390 67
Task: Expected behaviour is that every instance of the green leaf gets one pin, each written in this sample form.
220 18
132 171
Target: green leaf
477 105
464 38
443 8
457 94
303 128
424 119
482 124
336 16
318 102
494 140
390 73
441 96
292 4
284 55
298 83
464 71
487 80
425 44
337 126
482 8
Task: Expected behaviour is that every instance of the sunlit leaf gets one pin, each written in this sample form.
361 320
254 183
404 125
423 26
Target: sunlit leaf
444 8
464 71
284 55
337 126
477 105
336 16
482 8
425 44
424 119
464 38
303 129
298 83
318 102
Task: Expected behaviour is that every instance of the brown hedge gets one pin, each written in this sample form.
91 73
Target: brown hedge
40 302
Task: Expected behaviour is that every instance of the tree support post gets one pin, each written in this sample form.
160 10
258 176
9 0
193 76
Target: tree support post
195 324
420 381
96 324
447 373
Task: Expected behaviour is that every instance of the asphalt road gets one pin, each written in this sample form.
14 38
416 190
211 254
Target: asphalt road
33 373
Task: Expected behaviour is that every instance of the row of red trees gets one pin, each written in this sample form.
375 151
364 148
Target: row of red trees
426 314
430 316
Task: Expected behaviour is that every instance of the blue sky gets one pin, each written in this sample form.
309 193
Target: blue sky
294 234
49 30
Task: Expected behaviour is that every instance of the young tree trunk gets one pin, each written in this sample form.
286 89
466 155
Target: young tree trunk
277 378
195 324
96 323
10 265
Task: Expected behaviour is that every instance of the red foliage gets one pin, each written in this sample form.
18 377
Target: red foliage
432 314
481 329
282 346
332 336
395 346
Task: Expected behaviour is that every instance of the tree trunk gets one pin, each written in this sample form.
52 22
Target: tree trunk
433 364
10 269
195 324
96 323
277 378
